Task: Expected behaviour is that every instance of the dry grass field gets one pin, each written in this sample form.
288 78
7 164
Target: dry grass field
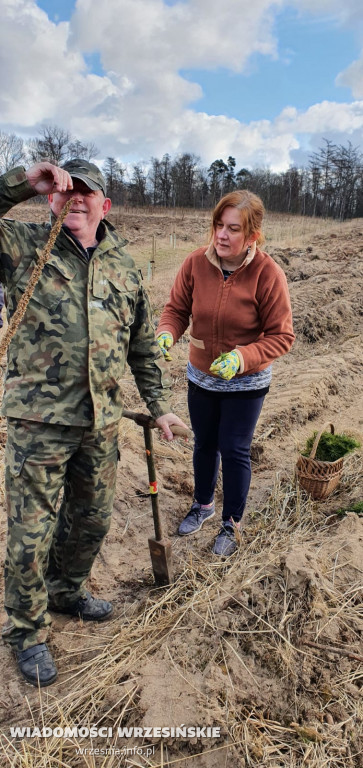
267 645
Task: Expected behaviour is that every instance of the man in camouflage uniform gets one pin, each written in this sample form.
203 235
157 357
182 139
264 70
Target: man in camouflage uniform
87 317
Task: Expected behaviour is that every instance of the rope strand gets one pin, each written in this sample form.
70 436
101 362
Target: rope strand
37 271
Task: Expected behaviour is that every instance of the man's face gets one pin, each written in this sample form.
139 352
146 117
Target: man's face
88 208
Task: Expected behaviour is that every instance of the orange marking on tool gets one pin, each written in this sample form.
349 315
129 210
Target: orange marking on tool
154 487
147 452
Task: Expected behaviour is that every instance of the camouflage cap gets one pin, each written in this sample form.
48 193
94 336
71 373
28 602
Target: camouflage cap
87 172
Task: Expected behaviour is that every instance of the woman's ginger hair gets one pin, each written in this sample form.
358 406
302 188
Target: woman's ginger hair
251 208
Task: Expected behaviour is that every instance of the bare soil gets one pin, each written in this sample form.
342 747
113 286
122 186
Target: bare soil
268 645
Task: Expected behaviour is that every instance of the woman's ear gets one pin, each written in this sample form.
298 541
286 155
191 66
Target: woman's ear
253 237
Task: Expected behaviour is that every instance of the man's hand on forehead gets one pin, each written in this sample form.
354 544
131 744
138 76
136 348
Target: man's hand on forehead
46 178
62 181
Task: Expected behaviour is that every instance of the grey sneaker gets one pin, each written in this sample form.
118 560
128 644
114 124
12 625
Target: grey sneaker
195 519
225 543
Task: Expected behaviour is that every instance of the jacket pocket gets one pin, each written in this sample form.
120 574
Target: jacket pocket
118 292
197 342
53 283
106 279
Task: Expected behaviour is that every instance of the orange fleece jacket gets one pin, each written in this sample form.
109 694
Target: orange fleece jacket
250 311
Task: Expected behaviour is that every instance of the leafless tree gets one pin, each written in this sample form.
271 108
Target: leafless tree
138 194
57 145
52 145
11 151
114 175
183 174
330 185
78 148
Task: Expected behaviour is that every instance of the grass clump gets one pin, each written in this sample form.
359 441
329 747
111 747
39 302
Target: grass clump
357 508
331 447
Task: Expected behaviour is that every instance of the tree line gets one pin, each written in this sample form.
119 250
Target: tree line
331 185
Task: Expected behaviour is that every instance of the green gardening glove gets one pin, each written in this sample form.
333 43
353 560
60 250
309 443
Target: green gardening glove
165 341
226 366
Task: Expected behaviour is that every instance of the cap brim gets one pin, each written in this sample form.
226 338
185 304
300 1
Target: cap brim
89 183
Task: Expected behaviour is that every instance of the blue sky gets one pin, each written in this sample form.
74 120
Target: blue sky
265 81
58 11
311 53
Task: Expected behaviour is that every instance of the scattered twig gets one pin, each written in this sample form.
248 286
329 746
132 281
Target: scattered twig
331 649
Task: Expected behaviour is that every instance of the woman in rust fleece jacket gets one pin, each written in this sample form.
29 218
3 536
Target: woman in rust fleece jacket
236 300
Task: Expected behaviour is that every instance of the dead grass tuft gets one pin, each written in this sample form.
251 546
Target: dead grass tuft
258 617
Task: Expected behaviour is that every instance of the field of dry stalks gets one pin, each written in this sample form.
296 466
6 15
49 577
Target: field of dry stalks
268 645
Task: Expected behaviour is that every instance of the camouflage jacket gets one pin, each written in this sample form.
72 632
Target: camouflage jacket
85 320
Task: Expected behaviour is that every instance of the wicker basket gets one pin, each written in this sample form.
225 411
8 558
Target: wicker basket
319 478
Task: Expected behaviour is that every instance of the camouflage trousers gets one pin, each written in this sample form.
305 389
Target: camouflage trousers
51 547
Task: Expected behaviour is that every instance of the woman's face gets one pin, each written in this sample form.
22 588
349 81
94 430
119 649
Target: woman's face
230 241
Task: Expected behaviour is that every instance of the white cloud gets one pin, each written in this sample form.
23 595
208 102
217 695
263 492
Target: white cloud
352 77
264 142
323 117
40 78
146 35
148 44
348 13
143 105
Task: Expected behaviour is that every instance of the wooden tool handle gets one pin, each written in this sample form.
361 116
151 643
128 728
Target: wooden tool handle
143 420
318 436
179 431
148 435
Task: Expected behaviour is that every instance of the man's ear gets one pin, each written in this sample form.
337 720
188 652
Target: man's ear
50 199
106 206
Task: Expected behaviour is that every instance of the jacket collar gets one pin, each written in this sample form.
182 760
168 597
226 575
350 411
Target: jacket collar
211 255
110 238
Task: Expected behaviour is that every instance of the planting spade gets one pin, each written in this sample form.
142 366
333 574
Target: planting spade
160 547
